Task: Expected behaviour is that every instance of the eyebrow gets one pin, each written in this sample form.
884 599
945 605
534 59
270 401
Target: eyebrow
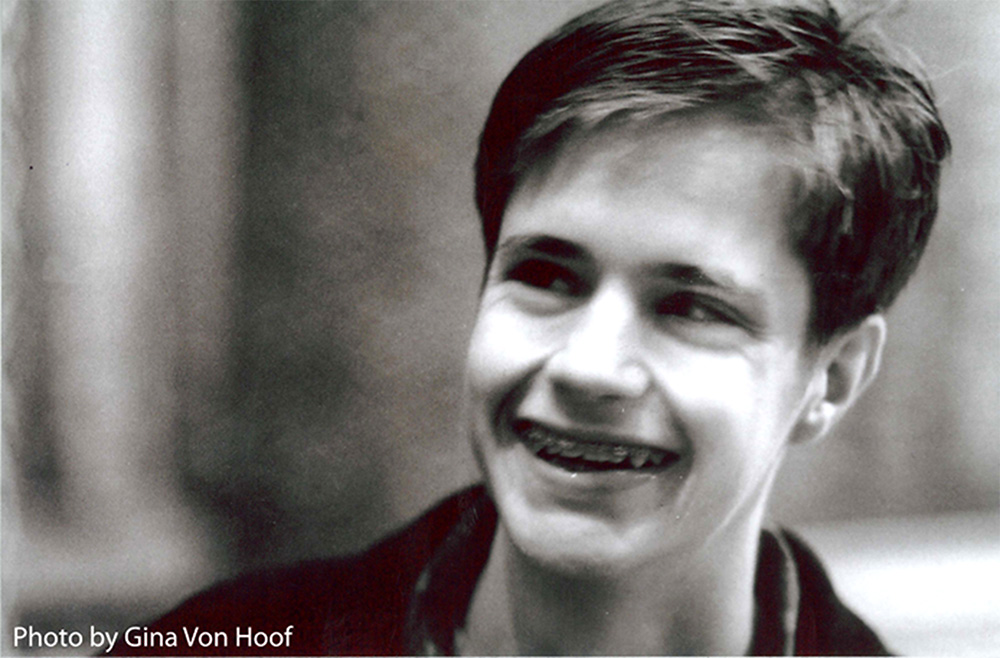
547 245
541 244
692 275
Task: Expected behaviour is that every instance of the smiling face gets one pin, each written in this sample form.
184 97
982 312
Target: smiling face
640 359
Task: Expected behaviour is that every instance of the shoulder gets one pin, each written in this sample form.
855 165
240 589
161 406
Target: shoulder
352 605
825 625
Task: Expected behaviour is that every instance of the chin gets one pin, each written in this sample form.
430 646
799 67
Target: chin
589 539
575 557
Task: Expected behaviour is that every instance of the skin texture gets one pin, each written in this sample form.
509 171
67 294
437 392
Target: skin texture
644 294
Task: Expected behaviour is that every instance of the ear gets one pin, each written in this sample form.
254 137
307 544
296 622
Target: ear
842 371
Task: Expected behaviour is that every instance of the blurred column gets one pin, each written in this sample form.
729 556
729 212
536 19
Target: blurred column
103 195
130 119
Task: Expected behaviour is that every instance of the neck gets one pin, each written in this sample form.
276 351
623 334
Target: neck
699 605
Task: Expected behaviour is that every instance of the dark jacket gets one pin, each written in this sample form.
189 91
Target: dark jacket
409 592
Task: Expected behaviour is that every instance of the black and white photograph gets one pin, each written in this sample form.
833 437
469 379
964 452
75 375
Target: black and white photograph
500 327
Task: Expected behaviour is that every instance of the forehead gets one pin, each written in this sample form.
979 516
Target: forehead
703 177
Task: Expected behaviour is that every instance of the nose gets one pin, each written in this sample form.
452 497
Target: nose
600 357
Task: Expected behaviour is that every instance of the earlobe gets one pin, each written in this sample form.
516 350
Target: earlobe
844 369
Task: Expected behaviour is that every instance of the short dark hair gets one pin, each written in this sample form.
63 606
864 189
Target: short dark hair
866 123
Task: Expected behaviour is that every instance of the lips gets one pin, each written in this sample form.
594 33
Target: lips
575 453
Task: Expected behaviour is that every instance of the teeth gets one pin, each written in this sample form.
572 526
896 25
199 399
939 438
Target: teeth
563 445
536 435
619 454
607 453
592 452
540 440
535 440
638 457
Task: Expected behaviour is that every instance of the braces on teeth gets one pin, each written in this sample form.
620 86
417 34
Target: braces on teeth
539 440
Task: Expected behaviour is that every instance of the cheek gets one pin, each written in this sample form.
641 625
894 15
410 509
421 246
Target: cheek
503 349
727 409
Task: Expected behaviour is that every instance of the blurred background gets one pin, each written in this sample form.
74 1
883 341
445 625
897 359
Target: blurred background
240 265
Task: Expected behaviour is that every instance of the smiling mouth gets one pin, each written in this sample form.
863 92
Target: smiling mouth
574 454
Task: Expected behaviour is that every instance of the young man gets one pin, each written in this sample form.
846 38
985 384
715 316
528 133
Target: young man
695 214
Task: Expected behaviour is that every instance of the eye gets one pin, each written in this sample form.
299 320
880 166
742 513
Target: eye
694 308
546 275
